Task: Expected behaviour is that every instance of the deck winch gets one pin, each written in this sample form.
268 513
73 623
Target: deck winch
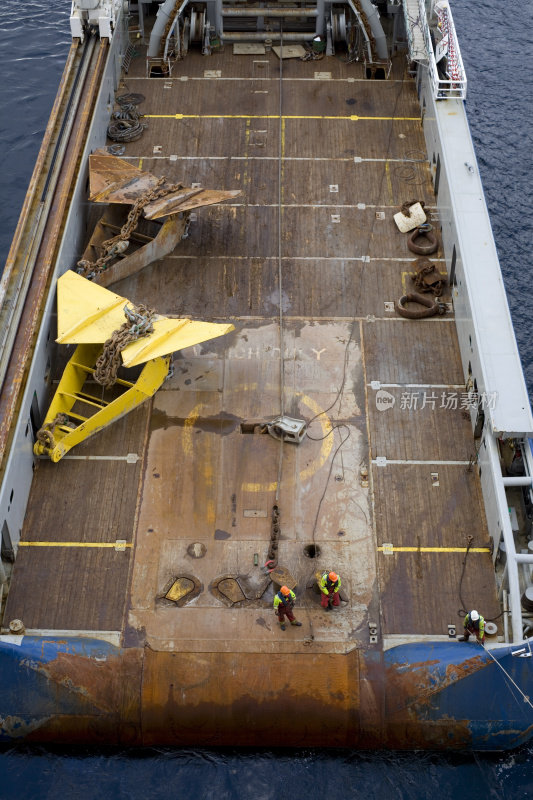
322 26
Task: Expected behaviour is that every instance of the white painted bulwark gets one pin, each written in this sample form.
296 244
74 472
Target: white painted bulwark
484 325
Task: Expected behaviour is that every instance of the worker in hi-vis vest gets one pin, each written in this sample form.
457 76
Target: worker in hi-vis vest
329 585
473 623
283 605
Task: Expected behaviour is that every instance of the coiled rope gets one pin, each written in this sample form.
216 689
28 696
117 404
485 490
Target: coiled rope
127 126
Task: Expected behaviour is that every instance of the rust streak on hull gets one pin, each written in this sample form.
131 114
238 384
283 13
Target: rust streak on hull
29 324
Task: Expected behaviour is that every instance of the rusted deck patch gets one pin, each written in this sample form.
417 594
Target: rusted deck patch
213 473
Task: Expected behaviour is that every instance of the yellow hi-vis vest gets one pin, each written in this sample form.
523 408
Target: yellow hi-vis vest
278 601
480 627
323 584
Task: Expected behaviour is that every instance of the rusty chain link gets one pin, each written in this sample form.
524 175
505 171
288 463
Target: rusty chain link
139 322
427 278
119 244
45 435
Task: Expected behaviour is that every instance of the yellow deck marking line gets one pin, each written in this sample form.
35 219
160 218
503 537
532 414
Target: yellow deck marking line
140 163
188 425
433 549
72 544
352 118
208 478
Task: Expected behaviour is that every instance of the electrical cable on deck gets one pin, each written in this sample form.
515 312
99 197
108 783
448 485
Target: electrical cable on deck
355 324
280 176
280 286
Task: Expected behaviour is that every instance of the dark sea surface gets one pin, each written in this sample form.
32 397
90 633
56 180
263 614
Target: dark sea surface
496 40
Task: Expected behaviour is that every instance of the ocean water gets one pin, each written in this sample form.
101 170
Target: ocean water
497 49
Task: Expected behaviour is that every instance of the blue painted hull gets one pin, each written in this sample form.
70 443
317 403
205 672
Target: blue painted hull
423 695
463 684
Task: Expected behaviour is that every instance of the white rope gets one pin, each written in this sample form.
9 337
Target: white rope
524 696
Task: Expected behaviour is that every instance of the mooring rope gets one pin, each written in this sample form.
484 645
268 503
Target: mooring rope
525 697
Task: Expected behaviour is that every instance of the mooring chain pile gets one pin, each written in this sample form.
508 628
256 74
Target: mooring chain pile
127 125
139 322
272 556
310 55
46 434
119 244
427 278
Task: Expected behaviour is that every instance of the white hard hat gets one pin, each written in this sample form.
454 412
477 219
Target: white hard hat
474 616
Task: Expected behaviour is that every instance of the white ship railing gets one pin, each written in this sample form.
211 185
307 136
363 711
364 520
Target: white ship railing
421 48
486 338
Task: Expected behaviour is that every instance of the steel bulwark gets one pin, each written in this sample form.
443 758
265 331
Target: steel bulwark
29 316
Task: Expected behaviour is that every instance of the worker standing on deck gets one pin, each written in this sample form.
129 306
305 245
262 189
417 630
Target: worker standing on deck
329 584
473 623
283 605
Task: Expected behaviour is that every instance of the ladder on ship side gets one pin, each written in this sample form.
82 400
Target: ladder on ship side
415 22
128 55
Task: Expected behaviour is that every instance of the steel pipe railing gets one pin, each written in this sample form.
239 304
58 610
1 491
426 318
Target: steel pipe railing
261 36
269 12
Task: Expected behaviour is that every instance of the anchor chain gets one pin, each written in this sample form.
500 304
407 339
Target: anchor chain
45 435
119 244
428 279
272 557
139 322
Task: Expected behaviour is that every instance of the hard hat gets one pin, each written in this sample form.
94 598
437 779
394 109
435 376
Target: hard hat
333 576
285 590
474 616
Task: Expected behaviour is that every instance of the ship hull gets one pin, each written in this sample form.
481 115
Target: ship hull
428 696
217 673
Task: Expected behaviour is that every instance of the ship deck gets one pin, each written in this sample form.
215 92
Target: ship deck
194 499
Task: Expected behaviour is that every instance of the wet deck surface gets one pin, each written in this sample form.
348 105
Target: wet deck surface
199 479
